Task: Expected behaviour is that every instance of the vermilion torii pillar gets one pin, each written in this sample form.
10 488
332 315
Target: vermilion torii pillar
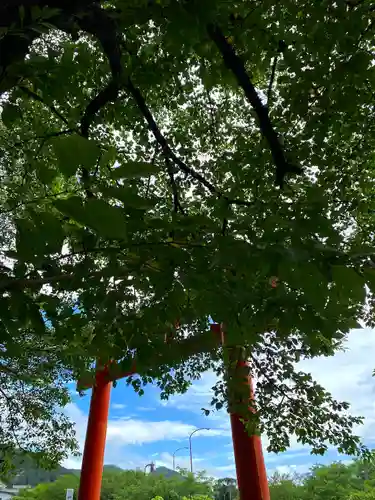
248 454
250 467
96 433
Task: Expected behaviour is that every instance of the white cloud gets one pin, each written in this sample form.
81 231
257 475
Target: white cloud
181 460
226 468
292 470
72 463
126 430
348 375
118 406
134 431
199 396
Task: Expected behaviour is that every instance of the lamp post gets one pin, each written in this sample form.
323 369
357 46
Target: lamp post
152 467
174 455
191 453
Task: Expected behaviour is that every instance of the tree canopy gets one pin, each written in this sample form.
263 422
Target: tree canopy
165 161
123 485
337 481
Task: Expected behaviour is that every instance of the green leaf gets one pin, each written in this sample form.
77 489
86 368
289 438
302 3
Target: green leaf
46 174
10 114
50 231
349 282
75 152
40 235
106 220
24 235
72 207
370 279
128 197
109 157
133 170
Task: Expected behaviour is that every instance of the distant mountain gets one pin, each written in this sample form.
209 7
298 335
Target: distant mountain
28 474
112 467
164 471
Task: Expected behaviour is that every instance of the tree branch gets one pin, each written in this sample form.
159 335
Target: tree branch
234 64
35 200
176 201
12 284
14 48
167 151
108 94
99 23
37 97
167 354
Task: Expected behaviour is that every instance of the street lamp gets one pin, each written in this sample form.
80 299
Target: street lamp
191 453
174 455
152 467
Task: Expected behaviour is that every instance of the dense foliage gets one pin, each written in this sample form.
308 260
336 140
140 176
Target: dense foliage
132 485
165 160
32 394
338 481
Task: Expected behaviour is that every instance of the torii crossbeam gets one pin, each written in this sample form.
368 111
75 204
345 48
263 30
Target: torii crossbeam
250 466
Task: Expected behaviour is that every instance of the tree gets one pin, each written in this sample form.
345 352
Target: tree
124 485
55 490
225 489
333 482
175 162
339 481
32 392
285 487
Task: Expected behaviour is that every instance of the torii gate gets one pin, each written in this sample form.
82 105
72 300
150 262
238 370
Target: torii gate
250 466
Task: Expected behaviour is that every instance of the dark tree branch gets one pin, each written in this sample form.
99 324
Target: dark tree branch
108 94
167 151
99 23
16 284
14 48
95 21
35 200
176 202
234 64
280 49
272 78
37 97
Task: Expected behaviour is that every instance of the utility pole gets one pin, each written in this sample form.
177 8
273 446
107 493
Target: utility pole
190 448
174 455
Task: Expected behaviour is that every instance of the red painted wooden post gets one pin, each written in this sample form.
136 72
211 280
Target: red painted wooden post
96 433
93 455
248 454
250 467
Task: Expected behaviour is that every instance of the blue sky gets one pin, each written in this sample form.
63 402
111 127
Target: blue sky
145 429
